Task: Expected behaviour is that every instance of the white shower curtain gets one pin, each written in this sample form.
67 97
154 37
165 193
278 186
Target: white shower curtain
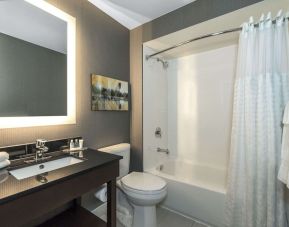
255 197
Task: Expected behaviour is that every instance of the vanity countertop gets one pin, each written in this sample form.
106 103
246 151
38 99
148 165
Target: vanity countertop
11 188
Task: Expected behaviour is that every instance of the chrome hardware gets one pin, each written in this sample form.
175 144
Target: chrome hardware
40 149
40 143
158 132
42 178
163 150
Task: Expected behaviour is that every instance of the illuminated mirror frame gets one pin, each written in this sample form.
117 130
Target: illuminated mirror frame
18 122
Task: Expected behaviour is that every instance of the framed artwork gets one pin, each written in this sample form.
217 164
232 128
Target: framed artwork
108 94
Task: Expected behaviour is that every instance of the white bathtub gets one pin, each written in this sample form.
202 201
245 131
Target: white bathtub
194 190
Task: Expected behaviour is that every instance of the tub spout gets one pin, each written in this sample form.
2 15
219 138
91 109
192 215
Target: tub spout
163 150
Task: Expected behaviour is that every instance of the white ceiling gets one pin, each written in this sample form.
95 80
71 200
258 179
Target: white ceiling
133 13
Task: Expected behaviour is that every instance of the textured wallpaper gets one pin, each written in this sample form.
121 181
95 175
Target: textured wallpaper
103 48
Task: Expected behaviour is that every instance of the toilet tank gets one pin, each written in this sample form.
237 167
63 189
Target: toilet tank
123 150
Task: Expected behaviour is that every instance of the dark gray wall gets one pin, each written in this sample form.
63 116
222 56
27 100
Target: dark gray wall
136 137
189 15
102 48
32 79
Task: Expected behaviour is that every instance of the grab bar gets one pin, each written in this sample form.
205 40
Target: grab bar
163 150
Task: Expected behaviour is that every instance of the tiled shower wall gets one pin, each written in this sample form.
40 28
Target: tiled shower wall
200 106
189 15
192 102
155 110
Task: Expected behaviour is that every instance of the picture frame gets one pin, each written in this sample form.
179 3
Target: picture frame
108 94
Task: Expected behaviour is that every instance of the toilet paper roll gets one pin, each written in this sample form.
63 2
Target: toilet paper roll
101 194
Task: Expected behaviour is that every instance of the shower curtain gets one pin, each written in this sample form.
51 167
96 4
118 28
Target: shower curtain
255 197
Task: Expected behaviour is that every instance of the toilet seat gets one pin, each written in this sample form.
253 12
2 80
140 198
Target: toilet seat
132 191
143 183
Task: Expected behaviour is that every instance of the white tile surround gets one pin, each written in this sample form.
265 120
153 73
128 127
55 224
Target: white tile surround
192 102
155 101
200 106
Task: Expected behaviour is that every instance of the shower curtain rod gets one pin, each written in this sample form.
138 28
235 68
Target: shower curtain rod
202 37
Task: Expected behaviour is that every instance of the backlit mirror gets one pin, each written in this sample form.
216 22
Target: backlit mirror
37 64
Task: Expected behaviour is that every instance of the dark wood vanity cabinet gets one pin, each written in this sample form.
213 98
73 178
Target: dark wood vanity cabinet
22 210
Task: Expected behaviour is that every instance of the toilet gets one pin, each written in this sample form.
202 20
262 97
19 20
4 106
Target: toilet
143 190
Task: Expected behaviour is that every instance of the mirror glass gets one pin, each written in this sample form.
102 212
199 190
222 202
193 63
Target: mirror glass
33 61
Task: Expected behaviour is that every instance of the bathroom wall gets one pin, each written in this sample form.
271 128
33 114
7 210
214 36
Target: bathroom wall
155 110
191 14
136 123
102 47
200 102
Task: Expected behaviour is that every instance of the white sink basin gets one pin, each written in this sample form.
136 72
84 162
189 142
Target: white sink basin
34 170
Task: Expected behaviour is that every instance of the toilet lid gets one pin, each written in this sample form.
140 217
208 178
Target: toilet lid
143 182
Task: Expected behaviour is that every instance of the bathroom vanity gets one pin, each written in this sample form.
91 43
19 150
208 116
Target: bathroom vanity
29 199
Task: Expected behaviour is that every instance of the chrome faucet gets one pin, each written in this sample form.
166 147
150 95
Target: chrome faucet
40 149
163 150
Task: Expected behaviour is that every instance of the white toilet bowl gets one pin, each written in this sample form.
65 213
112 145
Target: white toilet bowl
144 191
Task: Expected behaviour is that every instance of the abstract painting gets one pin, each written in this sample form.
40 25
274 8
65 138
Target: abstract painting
108 94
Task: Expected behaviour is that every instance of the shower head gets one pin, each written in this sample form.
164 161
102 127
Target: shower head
165 63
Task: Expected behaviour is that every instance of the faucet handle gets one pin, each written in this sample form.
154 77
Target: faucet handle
40 143
163 150
44 149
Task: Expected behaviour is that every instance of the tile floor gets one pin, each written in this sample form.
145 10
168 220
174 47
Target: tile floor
166 218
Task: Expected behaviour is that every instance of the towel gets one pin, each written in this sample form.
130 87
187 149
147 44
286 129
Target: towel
124 208
4 156
101 193
283 174
4 163
124 216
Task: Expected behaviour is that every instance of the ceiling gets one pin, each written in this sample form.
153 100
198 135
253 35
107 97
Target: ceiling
133 13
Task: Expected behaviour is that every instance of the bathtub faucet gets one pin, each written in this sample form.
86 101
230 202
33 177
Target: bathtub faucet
163 150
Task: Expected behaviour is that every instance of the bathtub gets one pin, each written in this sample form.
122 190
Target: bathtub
195 191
